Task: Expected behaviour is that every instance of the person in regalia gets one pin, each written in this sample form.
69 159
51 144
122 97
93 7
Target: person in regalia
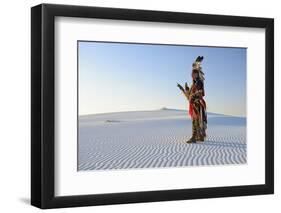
197 104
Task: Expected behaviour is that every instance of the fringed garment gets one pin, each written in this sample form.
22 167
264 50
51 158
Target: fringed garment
197 108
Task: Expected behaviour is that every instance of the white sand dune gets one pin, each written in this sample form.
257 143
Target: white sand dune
151 139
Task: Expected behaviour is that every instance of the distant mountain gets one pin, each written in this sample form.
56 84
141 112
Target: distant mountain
170 109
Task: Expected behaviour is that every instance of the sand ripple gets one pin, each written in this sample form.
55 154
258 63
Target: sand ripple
159 143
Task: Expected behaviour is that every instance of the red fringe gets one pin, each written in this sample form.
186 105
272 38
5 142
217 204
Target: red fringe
191 111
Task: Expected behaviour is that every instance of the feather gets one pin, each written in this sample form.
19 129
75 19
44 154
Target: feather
199 59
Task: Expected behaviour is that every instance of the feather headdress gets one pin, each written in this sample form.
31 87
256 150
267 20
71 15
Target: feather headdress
196 66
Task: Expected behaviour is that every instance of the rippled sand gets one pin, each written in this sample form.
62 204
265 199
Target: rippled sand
155 139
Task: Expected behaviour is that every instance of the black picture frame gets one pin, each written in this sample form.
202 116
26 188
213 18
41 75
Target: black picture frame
43 102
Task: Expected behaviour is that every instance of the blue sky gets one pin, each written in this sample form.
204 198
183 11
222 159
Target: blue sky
117 77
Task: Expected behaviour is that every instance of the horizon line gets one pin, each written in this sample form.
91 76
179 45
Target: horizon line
162 108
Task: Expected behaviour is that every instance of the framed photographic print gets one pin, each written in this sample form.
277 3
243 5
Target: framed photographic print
139 106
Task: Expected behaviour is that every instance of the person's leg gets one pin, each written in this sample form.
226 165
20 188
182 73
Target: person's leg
194 131
201 135
204 129
204 122
197 130
201 126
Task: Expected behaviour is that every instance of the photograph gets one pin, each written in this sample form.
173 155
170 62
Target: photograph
138 105
149 106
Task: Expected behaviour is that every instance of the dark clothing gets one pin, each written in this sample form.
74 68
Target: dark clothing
197 109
